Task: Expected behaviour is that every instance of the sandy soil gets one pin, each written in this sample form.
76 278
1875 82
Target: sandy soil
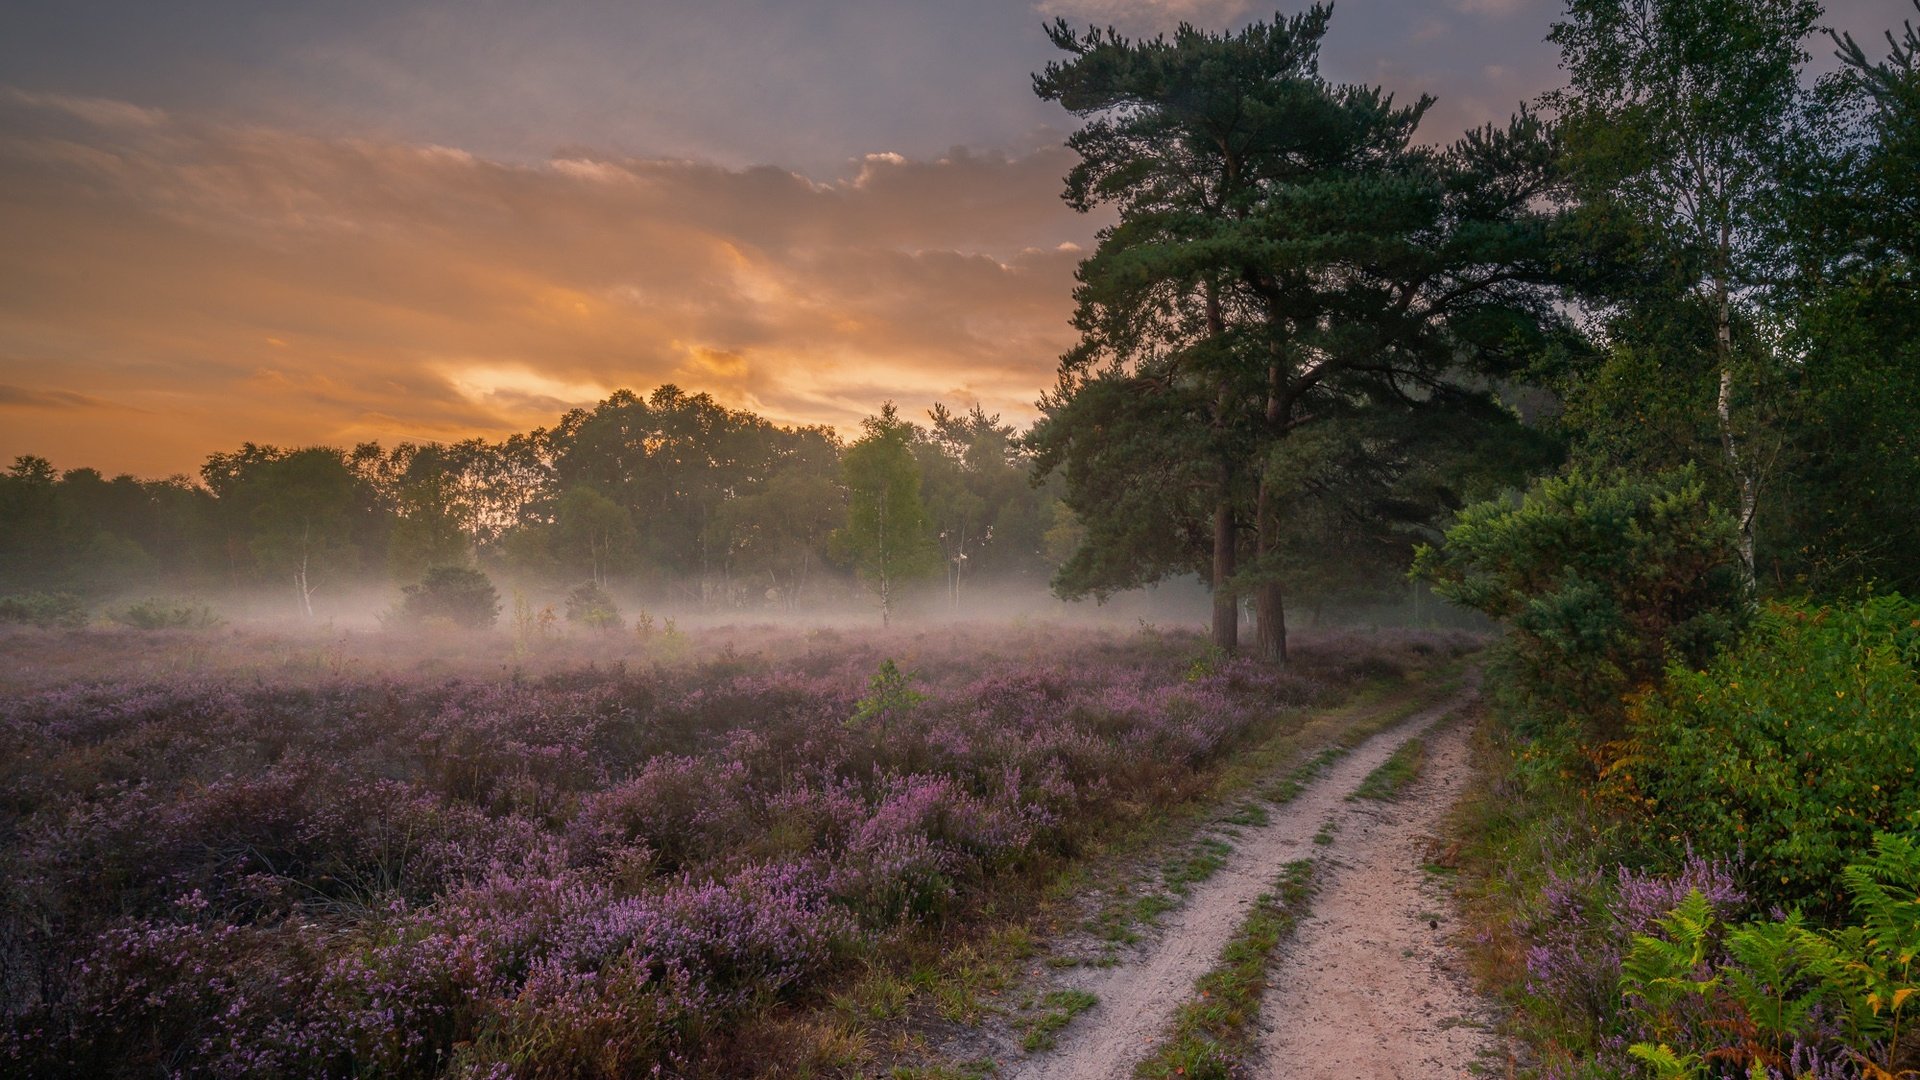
1371 985
1138 997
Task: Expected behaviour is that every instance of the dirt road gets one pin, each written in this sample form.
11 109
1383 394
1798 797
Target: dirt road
1371 985
1137 998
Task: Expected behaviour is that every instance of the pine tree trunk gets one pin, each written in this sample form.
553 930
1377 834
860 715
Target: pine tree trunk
1226 604
1269 599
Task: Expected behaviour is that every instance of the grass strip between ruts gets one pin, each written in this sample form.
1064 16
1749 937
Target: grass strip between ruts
1212 1030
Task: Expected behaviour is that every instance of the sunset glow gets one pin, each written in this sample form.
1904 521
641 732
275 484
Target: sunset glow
368 237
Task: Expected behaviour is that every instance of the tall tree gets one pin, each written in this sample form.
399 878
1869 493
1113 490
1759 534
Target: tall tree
773 535
1840 515
989 520
1682 120
1285 256
301 510
887 536
434 523
591 532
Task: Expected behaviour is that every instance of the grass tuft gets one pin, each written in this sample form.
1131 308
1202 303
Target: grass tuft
1212 1030
1394 774
1058 1010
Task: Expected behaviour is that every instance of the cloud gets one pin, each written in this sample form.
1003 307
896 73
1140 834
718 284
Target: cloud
19 397
242 282
1497 8
100 112
1149 16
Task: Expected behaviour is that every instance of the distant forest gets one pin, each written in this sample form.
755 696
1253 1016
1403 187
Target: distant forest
669 496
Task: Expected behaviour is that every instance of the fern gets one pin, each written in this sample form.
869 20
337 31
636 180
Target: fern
1668 1063
1772 978
1781 972
1880 952
1661 973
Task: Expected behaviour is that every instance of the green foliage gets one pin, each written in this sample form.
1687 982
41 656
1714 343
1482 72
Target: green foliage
987 515
1286 257
1667 1063
591 532
1212 1031
434 509
1058 1009
589 605
154 614
1760 996
1796 747
459 594
1661 973
301 514
1762 993
675 464
1684 128
1880 951
1141 468
43 609
1391 777
78 531
887 536
1601 582
1776 975
1207 663
890 697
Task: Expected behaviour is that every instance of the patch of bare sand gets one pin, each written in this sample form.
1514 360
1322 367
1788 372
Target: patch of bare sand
1372 985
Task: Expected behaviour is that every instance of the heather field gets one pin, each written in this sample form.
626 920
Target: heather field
374 857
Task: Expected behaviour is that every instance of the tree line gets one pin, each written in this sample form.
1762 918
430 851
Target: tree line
670 496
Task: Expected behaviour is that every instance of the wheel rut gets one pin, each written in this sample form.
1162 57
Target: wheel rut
1372 984
1138 997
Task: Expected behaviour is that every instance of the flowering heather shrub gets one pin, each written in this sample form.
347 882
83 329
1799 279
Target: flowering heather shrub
1582 930
594 872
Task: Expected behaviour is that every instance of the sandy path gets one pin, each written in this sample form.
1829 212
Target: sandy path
1137 998
1371 985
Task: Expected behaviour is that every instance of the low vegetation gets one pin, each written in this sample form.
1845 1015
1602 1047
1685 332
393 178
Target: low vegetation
1057 1010
1393 774
1718 877
592 871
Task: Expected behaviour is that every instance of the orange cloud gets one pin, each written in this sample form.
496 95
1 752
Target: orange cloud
218 283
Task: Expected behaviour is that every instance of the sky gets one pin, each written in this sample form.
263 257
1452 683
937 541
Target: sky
329 221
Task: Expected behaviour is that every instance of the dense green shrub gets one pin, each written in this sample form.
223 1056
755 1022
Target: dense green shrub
1796 746
589 605
459 594
43 609
153 614
1602 581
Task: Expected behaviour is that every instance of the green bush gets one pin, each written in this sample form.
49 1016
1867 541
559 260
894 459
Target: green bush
43 609
1797 746
161 615
458 594
1601 582
589 605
